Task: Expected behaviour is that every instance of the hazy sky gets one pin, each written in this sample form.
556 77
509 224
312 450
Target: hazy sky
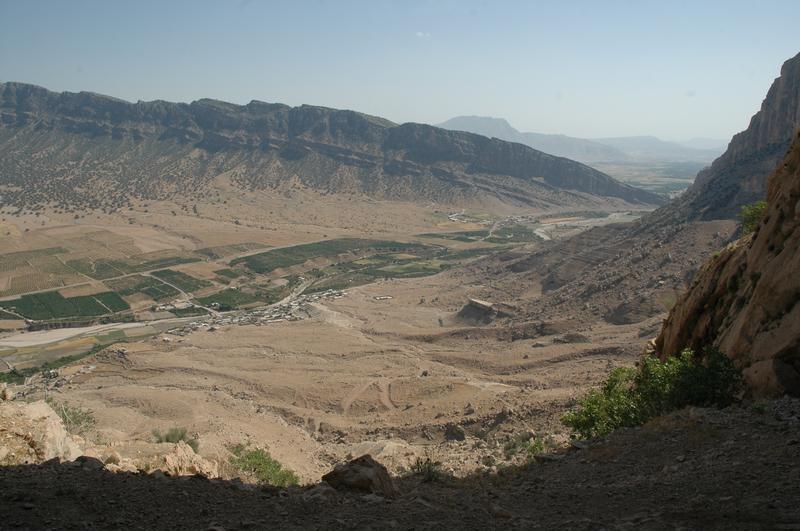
601 68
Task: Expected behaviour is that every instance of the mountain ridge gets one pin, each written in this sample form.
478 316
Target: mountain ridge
263 144
587 150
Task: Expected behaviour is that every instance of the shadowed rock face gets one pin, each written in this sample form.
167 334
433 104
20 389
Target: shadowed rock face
746 300
738 176
158 148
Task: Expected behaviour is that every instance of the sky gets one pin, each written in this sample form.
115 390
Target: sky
668 68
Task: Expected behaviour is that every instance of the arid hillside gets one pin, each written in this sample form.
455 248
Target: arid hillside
84 150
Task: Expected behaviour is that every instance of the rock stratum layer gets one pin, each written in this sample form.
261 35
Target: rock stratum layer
746 300
89 150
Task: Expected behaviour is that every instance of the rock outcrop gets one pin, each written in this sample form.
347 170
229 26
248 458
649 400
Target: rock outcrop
746 300
31 433
362 474
111 150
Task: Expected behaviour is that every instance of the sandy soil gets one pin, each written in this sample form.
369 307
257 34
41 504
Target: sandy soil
359 375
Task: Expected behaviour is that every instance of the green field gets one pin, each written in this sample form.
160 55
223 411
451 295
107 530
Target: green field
462 236
513 234
51 305
152 287
181 280
290 256
228 299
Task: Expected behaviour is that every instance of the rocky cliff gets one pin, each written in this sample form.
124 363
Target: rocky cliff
86 149
746 300
738 176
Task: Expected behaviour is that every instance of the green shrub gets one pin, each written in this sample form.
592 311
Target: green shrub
631 397
174 435
258 464
427 469
751 215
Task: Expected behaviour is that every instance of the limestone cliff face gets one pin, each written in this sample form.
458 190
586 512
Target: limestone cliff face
737 177
746 300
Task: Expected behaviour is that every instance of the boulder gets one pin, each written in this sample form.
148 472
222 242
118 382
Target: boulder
182 461
31 433
362 474
454 432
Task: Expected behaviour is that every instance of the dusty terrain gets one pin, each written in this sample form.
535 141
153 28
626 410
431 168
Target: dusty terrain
694 469
359 376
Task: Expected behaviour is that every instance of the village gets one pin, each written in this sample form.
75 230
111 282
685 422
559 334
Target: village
293 310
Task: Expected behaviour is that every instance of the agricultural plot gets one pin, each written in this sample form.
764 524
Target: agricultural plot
11 261
181 280
462 236
103 269
152 287
51 305
227 273
513 234
290 256
229 299
223 251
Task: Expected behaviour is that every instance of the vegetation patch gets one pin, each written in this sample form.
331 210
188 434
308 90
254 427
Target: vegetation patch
513 234
175 435
152 287
461 236
52 305
262 467
181 280
630 397
291 256
228 299
752 215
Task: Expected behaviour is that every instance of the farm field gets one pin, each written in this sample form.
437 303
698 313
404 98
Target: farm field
52 306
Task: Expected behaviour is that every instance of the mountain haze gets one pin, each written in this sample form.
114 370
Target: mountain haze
88 149
618 149
559 145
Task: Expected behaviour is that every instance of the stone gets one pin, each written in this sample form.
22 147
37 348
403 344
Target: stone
38 435
363 474
320 492
89 463
454 432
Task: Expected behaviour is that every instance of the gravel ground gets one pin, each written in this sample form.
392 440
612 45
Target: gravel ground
696 469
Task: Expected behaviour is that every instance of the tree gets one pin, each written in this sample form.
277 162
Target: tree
751 216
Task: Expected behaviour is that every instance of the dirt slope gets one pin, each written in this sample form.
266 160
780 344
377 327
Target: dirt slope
694 469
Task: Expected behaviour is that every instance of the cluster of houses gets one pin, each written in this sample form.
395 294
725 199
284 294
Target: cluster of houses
293 310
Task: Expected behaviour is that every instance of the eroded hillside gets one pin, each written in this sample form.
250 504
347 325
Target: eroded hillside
84 150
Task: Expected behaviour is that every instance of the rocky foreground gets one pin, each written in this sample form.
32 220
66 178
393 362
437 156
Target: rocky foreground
696 469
